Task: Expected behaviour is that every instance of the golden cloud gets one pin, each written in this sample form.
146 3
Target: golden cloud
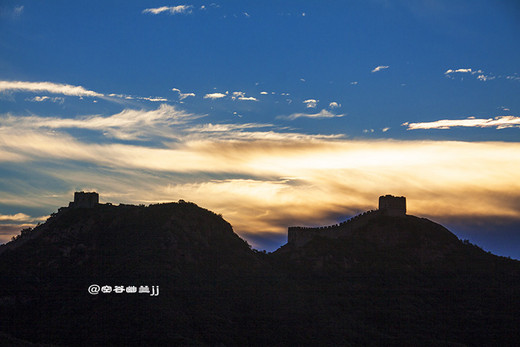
264 181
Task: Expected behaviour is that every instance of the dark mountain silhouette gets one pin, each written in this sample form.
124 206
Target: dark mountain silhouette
396 280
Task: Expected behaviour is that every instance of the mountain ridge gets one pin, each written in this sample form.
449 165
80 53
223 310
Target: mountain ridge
214 289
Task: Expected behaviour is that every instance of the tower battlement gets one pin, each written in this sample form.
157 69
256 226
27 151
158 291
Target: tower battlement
85 200
390 205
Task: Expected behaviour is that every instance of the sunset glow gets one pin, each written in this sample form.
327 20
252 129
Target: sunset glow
213 104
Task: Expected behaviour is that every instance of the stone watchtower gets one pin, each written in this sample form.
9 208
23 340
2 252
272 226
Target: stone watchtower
392 205
85 200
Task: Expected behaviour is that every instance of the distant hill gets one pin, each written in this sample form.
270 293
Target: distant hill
397 280
392 243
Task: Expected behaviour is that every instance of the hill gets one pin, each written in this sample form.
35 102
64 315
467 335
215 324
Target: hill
390 243
396 280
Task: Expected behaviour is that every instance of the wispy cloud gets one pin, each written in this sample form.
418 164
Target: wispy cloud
154 99
242 96
214 96
322 114
46 98
11 13
226 127
16 217
379 68
334 105
485 78
500 122
19 218
258 176
480 75
277 174
182 96
180 9
464 70
126 125
311 103
18 10
49 87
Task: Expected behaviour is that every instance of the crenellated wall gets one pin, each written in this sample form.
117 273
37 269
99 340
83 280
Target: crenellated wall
388 206
299 236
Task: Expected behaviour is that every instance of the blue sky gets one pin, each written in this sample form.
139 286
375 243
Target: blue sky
272 113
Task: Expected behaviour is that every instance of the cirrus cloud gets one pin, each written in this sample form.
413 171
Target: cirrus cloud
500 122
260 178
182 96
311 103
170 9
380 68
322 114
214 96
49 87
127 125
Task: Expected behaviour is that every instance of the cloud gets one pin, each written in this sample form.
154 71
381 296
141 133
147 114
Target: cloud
39 98
450 71
182 96
500 122
166 124
214 96
183 9
379 68
242 96
49 87
261 179
121 96
16 217
322 114
20 218
18 10
236 95
154 99
311 103
226 127
485 78
247 98
126 125
334 105
481 76
284 181
45 98
11 13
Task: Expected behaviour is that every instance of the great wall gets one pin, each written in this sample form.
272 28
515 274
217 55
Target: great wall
388 205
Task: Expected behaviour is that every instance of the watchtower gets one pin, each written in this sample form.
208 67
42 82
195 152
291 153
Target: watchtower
392 205
85 200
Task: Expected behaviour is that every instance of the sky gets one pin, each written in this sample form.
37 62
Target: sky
272 113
